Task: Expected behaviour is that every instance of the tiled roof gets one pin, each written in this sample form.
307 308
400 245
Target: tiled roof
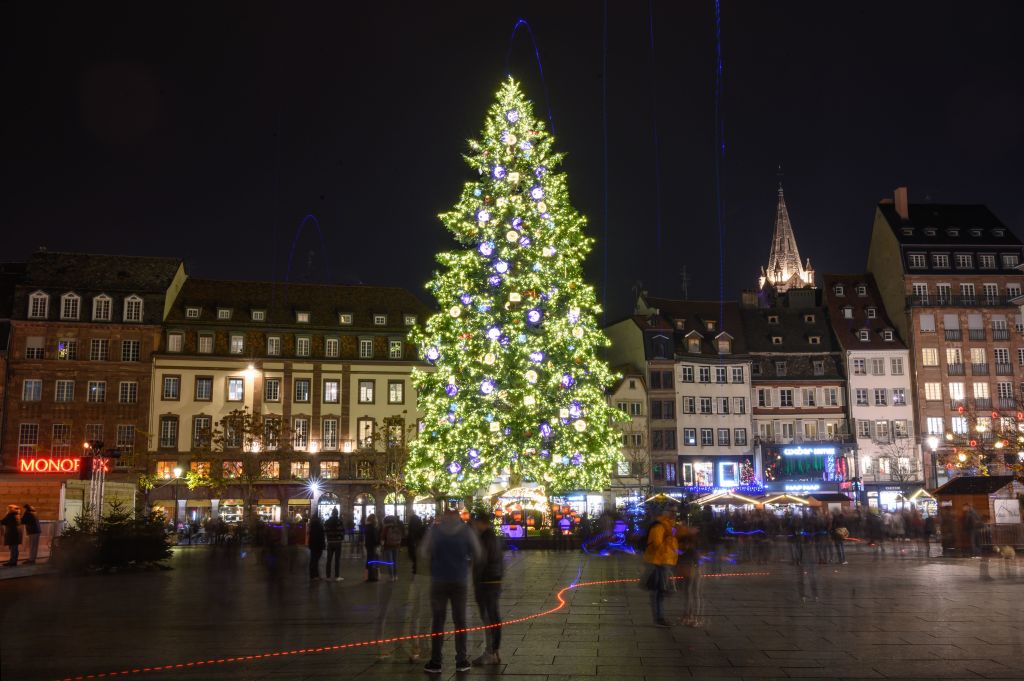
281 302
846 329
792 326
91 272
975 485
964 217
694 315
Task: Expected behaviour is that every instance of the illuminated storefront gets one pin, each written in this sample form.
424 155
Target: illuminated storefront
807 467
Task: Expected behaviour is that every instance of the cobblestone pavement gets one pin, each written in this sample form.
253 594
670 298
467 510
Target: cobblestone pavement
897 618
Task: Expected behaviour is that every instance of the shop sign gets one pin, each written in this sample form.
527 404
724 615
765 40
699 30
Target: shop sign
49 464
802 487
809 451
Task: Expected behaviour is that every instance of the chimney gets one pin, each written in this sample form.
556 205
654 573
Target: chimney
902 207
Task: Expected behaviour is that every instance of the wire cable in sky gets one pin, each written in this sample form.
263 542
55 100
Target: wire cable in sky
540 66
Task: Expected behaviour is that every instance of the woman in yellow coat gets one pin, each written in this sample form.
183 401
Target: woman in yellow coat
661 555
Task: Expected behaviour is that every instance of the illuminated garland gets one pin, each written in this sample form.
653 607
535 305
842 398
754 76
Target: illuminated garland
516 387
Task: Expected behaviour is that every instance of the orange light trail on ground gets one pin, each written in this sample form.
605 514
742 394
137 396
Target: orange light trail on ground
383 641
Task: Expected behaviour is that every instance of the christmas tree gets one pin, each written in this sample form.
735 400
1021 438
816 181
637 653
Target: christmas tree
516 386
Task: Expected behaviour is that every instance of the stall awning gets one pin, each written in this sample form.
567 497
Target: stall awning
726 498
783 499
299 502
664 498
197 503
268 502
831 498
231 502
920 493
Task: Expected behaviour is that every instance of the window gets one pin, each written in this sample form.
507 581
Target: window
896 366
809 395
364 470
300 433
690 437
224 313
737 375
94 432
133 309
785 397
101 306
809 318
880 397
831 397
330 470
773 319
236 389
686 372
165 469
259 315
944 293
205 343
986 261
202 427
168 432
171 388
930 357
1020 356
921 293
272 390
900 428
331 347
410 319
705 405
366 391
329 433
128 392
67 349
764 397
38 305
859 366
877 366
776 340
954 356
237 344
871 312
302 317
990 292
693 344
707 437
818 366
967 294
331 391
720 374
270 470
704 374
1005 390
203 388
70 304
232 469
130 350
28 439
302 345
964 261
882 431
814 340
689 405
935 425
981 391
917 261
862 290
34 347
1001 355
780 368
1009 260
192 312
99 350
175 342
64 391
739 437
31 390
932 391
345 319
864 335
622 468
1012 290
669 409
96 392
302 390
723 405
940 261
365 348
861 397
273 345
395 349
364 433
380 320
899 397
300 470
863 429
839 290
723 437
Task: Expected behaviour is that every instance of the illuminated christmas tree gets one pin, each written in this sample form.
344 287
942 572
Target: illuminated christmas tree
517 387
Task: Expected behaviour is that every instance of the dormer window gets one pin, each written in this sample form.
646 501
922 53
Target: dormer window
133 309
192 312
101 308
410 320
998 232
929 231
839 290
887 336
302 317
380 320
224 313
908 231
780 368
710 324
862 290
773 319
975 232
814 340
70 305
259 315
871 312
680 324
808 318
693 344
864 335
776 340
38 305
952 231
345 319
724 346
847 312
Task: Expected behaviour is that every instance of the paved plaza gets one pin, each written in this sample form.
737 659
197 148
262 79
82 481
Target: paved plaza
895 618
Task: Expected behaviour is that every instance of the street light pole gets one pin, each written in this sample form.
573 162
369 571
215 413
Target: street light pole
177 476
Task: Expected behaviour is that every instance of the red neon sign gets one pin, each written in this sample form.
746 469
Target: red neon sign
49 464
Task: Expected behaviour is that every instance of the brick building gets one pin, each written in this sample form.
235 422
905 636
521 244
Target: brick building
947 275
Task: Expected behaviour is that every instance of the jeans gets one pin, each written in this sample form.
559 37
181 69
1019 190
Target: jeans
14 554
440 594
391 556
487 596
333 553
314 563
372 564
33 547
840 550
658 594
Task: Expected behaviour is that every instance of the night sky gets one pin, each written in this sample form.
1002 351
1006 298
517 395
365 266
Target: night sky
210 130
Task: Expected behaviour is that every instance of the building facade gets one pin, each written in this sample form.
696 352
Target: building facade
947 276
276 394
879 393
637 471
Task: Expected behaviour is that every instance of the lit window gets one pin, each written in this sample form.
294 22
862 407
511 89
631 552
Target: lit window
236 389
302 346
395 349
205 343
396 392
67 349
300 438
174 342
302 317
259 315
366 348
345 319
366 389
331 347
331 391
224 313
273 345
410 320
380 319
192 312
237 344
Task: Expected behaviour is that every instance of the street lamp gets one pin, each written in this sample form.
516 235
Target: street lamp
177 476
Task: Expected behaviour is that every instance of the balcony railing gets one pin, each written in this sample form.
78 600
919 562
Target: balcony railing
979 368
957 301
955 369
1007 403
953 334
956 404
982 403
1000 334
976 334
1004 369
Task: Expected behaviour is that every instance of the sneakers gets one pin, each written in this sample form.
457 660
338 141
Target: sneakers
432 667
463 666
487 658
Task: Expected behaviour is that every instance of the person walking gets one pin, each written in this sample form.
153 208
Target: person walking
661 555
488 574
839 534
391 542
450 547
317 544
334 532
972 526
32 529
12 534
371 540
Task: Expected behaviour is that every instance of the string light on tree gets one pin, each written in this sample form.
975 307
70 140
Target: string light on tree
518 330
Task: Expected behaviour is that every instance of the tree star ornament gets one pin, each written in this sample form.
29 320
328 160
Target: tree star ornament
523 364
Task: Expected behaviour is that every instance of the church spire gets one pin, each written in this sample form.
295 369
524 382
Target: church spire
784 270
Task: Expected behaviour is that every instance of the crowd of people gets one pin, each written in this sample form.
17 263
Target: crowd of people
21 525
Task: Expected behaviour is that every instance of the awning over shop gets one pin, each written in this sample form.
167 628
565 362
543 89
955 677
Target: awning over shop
662 497
920 493
726 498
197 503
784 499
299 502
231 502
830 498
268 502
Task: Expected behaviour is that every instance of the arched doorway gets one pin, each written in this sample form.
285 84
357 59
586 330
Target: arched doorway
364 505
394 504
328 502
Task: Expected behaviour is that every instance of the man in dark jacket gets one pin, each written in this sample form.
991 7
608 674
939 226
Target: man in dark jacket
449 548
31 522
334 531
317 544
416 531
489 572
12 534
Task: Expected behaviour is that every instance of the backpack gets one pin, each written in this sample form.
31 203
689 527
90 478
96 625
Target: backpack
393 536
